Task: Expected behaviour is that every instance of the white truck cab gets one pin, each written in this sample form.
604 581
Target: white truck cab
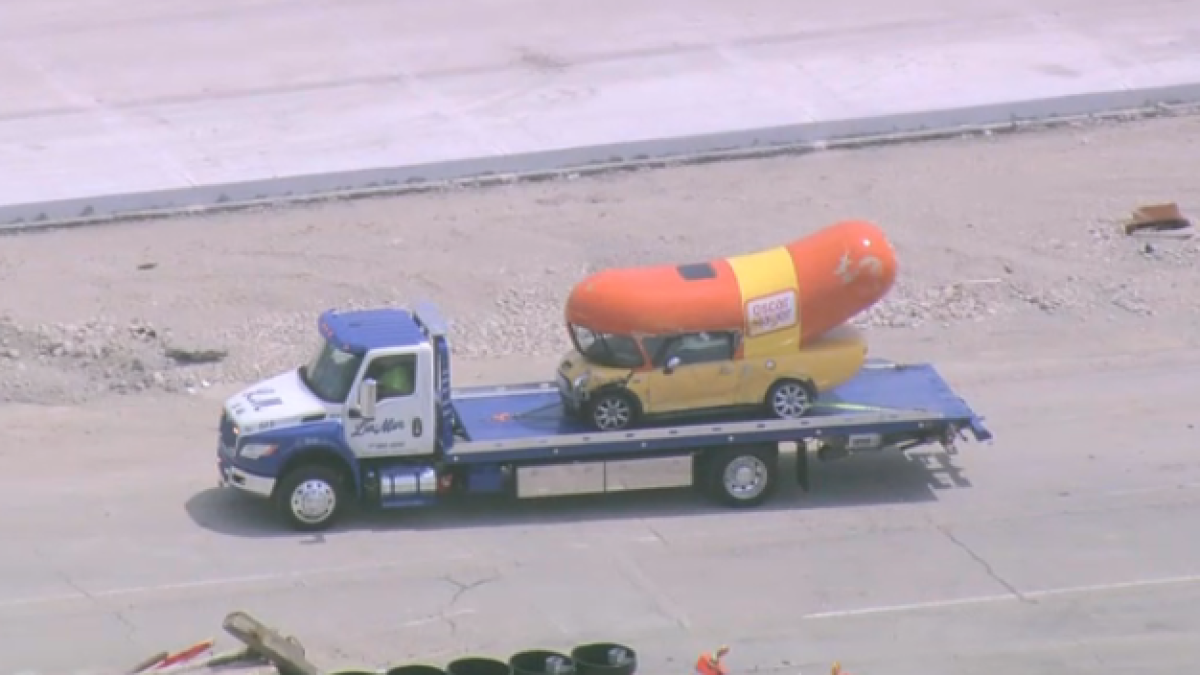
372 389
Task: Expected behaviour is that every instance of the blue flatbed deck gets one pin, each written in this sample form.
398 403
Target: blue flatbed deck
527 421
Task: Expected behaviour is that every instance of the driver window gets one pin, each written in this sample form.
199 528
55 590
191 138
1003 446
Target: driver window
395 376
704 347
659 348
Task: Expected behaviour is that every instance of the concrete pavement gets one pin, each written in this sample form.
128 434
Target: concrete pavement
1063 548
111 107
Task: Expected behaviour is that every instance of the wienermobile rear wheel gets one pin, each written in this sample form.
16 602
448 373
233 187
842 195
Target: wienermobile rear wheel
790 399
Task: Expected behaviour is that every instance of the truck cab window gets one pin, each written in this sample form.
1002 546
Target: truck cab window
330 372
395 376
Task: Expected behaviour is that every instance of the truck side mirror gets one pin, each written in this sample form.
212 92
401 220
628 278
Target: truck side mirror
672 364
366 399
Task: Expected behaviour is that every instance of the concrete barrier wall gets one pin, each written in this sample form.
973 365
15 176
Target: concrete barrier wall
541 165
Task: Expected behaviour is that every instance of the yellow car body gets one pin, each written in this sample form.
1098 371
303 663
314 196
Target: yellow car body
708 373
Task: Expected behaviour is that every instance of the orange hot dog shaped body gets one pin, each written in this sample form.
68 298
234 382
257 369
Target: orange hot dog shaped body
780 298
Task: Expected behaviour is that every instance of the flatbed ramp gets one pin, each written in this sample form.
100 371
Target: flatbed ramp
527 423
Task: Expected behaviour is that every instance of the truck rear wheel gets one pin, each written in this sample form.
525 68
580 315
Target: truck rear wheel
742 477
311 497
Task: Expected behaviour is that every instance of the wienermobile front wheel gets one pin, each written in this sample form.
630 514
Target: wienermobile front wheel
612 410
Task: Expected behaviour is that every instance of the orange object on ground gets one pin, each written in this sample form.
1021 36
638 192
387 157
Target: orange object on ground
781 297
710 664
186 654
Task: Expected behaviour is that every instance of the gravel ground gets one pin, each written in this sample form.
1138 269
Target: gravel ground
1003 240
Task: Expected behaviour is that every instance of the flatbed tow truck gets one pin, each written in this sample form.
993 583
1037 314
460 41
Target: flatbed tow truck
321 437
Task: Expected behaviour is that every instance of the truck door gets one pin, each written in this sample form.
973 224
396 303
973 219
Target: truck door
404 423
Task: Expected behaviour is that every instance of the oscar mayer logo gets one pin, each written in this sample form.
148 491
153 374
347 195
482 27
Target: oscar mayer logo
770 313
869 266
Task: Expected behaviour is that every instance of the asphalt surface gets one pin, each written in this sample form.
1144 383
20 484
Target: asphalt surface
106 98
1068 546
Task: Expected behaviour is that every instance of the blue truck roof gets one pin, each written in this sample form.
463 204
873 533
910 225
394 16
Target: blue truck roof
527 422
361 331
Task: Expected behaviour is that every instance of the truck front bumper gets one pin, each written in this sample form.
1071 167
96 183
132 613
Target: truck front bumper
231 476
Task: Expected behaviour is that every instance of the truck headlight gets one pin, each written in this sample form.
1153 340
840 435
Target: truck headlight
581 382
257 450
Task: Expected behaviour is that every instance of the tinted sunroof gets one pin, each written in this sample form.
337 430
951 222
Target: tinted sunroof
697 271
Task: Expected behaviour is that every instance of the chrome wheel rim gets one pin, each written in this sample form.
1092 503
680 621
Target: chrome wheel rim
612 413
745 477
790 400
313 501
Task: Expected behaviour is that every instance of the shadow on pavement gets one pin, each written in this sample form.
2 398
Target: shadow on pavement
858 481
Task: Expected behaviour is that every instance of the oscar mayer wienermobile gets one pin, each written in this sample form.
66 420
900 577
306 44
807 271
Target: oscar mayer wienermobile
764 329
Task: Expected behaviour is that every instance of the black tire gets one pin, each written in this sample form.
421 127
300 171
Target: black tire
321 483
612 410
742 477
790 399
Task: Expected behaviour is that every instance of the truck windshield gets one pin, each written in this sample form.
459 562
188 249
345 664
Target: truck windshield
330 372
607 349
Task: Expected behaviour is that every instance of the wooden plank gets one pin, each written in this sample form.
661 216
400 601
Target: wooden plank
286 654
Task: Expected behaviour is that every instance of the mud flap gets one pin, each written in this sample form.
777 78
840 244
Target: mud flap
802 465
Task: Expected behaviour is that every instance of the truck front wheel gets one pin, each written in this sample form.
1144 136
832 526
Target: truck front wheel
742 477
310 497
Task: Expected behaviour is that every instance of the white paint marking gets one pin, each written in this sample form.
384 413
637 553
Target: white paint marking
911 607
991 599
224 581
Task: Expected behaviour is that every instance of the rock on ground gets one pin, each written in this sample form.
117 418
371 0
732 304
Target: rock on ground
994 233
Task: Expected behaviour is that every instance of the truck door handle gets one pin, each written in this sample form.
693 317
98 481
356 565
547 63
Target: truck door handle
416 427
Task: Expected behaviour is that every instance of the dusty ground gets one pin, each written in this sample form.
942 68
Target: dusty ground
1067 547
1006 240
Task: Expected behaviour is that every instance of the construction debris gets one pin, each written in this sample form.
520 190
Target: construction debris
174 662
284 652
1156 218
263 645
148 662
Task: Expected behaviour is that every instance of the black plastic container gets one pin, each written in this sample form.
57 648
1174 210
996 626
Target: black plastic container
478 665
416 669
604 658
541 662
